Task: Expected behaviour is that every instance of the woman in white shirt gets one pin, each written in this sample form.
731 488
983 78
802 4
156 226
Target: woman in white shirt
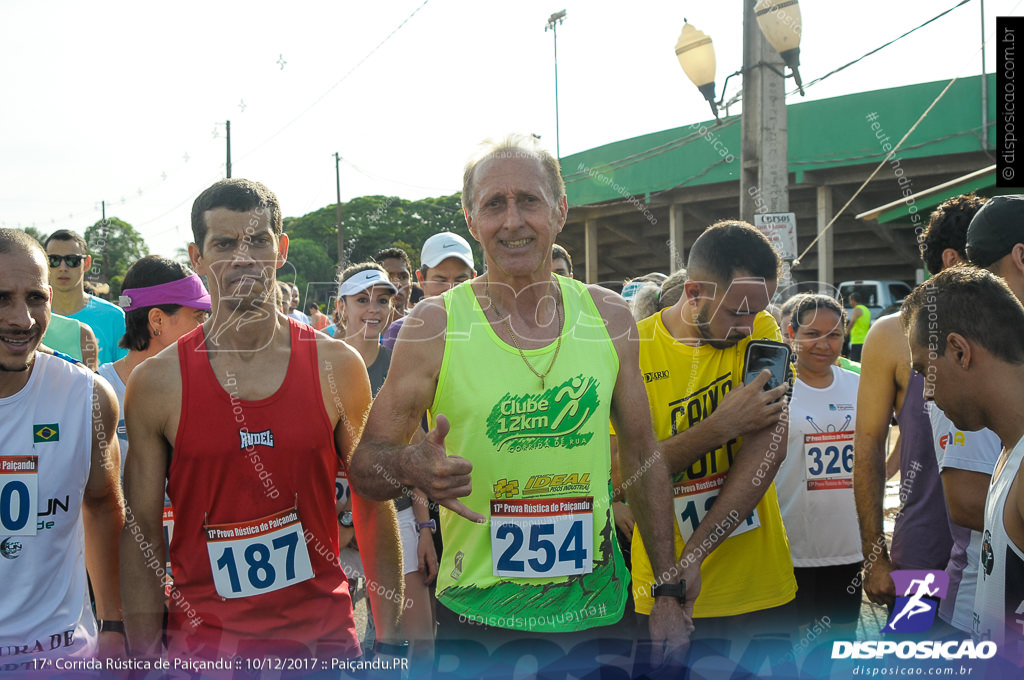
815 482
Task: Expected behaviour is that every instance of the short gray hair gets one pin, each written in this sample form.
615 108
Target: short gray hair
515 145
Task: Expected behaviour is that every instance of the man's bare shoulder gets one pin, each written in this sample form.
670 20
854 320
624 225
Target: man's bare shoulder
158 374
886 335
427 321
614 309
330 350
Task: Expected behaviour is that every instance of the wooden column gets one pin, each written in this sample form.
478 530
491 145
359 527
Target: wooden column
675 238
826 273
590 231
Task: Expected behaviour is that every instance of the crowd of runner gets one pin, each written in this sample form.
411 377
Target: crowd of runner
516 458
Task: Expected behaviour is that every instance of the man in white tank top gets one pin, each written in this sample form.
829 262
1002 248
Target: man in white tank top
58 483
964 331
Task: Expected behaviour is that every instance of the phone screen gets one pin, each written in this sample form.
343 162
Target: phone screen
764 354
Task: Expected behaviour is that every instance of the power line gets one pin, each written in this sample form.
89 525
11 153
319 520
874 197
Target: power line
337 83
878 49
885 160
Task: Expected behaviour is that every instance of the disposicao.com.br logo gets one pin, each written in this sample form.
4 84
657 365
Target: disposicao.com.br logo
914 612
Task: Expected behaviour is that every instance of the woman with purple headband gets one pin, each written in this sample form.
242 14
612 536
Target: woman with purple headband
162 300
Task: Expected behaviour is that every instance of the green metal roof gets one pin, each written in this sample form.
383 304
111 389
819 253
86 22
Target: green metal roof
827 133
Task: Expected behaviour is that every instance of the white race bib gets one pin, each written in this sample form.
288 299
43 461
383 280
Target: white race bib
168 534
693 501
541 538
829 460
342 492
19 495
258 556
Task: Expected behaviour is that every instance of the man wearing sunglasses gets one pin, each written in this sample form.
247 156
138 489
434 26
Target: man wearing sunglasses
69 259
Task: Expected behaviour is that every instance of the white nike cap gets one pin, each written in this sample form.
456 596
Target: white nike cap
360 281
440 247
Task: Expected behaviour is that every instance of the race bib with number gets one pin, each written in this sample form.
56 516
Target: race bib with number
19 495
258 556
829 458
693 501
342 492
542 538
168 534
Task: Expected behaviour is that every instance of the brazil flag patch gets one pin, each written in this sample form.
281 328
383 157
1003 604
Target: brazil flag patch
48 432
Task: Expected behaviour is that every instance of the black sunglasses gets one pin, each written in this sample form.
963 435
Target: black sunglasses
72 260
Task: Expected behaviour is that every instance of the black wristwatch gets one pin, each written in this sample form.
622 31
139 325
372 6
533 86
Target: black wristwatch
110 626
676 590
431 524
391 649
345 519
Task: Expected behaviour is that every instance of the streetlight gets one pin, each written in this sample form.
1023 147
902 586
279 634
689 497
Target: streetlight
553 22
696 55
764 185
779 21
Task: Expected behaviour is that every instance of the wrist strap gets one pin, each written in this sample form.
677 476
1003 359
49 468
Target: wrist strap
110 626
391 649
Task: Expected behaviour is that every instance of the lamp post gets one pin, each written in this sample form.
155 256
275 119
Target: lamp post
696 55
553 22
771 31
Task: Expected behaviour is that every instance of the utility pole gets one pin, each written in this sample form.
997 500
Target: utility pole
106 237
341 227
228 126
984 85
764 169
553 21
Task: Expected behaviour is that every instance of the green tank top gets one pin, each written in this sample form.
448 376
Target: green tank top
64 335
859 331
548 560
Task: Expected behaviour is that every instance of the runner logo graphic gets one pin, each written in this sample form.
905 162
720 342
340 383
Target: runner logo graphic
915 611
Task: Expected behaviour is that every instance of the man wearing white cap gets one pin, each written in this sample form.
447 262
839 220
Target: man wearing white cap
445 261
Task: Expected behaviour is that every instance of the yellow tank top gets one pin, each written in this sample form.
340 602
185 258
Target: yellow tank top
859 331
548 559
752 569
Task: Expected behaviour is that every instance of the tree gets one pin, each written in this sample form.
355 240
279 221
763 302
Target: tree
376 222
36 234
311 270
114 247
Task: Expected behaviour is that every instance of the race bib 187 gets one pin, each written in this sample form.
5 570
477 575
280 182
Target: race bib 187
258 556
541 538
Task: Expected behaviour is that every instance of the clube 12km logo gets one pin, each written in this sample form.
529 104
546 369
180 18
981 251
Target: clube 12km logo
918 592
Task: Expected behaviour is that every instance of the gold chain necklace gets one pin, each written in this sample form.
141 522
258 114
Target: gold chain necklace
515 341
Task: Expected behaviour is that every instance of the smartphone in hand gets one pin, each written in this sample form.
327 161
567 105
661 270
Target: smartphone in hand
762 354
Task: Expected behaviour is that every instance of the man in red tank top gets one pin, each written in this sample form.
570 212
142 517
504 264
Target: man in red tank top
247 420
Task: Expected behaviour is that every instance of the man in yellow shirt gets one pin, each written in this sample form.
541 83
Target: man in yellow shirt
723 441
857 326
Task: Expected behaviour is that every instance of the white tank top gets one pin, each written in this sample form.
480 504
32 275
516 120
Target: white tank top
999 604
45 446
815 480
975 452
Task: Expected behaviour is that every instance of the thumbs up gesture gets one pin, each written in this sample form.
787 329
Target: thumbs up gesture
444 478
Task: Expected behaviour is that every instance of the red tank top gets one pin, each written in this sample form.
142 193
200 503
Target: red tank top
255 543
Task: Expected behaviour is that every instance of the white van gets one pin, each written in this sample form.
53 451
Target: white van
877 296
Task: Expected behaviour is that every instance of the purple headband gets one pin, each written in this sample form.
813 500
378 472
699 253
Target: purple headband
187 292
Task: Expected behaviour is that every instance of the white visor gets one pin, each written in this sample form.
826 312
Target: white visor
359 282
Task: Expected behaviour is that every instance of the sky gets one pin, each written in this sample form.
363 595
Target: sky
126 102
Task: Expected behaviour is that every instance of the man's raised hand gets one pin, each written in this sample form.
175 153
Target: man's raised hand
443 478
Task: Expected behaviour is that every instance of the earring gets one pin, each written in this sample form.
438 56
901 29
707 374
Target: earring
156 332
